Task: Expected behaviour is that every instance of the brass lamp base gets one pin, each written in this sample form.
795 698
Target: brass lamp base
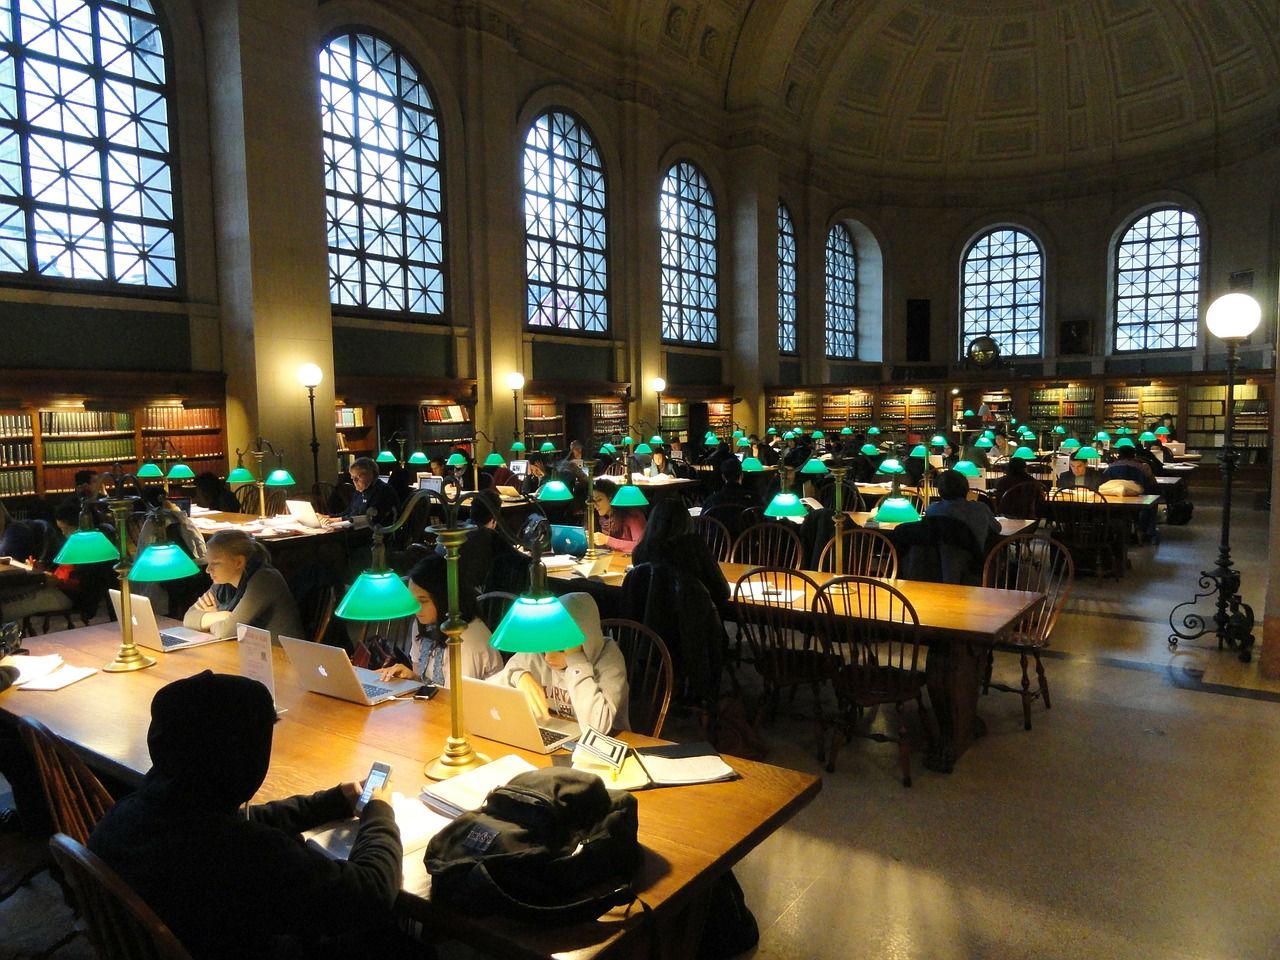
128 658
458 757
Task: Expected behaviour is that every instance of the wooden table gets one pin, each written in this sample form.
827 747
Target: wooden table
1009 526
691 835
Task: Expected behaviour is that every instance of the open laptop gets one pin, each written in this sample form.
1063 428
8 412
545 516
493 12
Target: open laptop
498 712
429 481
568 539
328 670
519 467
304 513
147 633
507 493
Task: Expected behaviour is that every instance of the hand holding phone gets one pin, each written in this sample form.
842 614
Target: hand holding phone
374 784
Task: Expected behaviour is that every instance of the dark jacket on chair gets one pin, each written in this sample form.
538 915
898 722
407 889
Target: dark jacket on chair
939 550
680 610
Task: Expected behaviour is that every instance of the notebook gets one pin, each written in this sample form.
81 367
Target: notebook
498 712
327 670
147 633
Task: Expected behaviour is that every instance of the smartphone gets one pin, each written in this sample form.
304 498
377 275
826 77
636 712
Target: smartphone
378 775
426 692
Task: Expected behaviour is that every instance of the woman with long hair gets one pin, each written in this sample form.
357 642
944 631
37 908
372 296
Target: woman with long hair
620 528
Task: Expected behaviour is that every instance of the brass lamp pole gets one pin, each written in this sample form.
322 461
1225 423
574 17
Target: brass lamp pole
838 470
128 657
590 519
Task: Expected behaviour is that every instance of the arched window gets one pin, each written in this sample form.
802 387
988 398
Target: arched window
687 215
564 227
1002 292
1158 282
382 175
842 295
786 280
86 166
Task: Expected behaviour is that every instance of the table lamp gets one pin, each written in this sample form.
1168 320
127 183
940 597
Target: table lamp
846 431
494 459
1087 453
385 456
629 495
1147 437
772 432
149 471
1024 453
555 491
873 431
418 458
967 413
1162 431
919 450
983 443
1071 443
814 467
547 447
643 449
967 468
896 510
1124 442
752 465
743 443
786 504
517 447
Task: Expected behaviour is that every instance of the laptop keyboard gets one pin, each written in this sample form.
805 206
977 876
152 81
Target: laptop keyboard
168 640
550 736
373 691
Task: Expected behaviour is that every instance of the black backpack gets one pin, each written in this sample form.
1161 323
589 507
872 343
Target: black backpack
552 845
1179 512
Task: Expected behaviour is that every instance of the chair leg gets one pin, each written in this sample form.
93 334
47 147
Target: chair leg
1026 694
838 739
1044 681
904 748
930 739
986 677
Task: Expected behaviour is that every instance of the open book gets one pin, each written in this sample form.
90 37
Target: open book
417 826
467 791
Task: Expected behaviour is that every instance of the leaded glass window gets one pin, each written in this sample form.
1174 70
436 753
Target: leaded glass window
1158 282
564 227
382 175
842 295
687 216
1002 293
786 280
86 166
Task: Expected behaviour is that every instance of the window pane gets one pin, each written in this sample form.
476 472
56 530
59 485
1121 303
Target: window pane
786 281
842 295
382 179
1001 283
1158 282
687 218
84 149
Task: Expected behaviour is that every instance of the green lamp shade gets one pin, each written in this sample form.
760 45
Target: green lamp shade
555 490
1071 443
1024 453
814 466
967 468
1102 436
713 441
493 460
609 448
1163 431
1124 442
896 510
983 443
547 447
629 495
786 505
873 431
644 448
919 450
385 456
869 450
518 447
817 435
628 441
846 431
656 440
989 434
736 434
238 475
752 465
1013 419
968 413
789 435
180 471
743 443
1087 453
377 596
938 440
456 460
892 466
162 561
1146 437
418 457
772 431
279 477
1123 432
1060 430
87 546
537 625
149 471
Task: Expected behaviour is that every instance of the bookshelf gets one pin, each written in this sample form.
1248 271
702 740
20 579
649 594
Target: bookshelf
17 455
794 408
1206 420
354 425
1136 406
853 407
720 417
1071 405
609 421
543 421
909 413
673 420
446 424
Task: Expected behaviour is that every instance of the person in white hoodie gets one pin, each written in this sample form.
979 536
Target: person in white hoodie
587 683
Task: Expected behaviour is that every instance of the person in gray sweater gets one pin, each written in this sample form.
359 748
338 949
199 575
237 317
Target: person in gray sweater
246 589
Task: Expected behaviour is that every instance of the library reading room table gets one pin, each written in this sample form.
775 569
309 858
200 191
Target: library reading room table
691 835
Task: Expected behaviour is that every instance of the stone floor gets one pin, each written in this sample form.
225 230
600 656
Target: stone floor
1133 821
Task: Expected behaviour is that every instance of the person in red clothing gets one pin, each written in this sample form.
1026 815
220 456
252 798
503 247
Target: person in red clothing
620 528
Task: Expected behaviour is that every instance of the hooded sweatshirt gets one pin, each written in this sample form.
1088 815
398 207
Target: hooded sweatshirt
592 688
232 883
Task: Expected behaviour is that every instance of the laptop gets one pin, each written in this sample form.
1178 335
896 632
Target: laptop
597 567
304 513
568 539
147 633
507 493
498 712
328 670
429 481
519 467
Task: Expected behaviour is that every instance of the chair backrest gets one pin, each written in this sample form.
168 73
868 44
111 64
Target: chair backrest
1077 495
321 495
1022 501
121 926
616 469
247 497
716 535
851 499
275 502
876 631
864 553
1041 564
768 544
491 607
650 674
750 516
318 612
680 609
76 798
772 606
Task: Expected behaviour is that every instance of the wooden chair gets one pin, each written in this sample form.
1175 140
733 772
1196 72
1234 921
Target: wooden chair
716 535
616 469
1044 565
321 494
275 502
768 544
874 632
650 674
491 607
1083 522
774 617
76 798
851 500
1023 502
247 497
866 553
121 926
317 612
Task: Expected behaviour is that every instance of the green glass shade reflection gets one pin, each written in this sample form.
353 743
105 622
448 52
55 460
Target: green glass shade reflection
873 431
518 447
418 457
629 495
644 448
385 456
377 596
892 466
1147 437
537 625
149 471
919 450
1124 442
814 466
456 460
1024 453
752 465
239 475
983 443
547 447
180 471
896 510
967 468
162 561
968 413
1087 453
869 450
785 505
1060 430
87 546
555 490
279 477
494 459
846 431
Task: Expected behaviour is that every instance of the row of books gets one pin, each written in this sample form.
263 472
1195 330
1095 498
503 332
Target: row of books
444 413
1053 394
182 418
53 422
195 445
88 451
15 424
16 483
17 454
349 417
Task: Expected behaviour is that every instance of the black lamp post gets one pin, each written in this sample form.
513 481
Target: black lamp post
310 375
1231 319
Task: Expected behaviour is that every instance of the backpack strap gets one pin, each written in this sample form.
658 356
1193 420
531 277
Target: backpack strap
587 908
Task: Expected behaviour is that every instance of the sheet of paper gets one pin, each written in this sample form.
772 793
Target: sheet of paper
468 790
255 656
32 668
762 591
64 676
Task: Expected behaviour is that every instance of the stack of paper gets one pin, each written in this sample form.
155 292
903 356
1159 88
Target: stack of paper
467 791
49 672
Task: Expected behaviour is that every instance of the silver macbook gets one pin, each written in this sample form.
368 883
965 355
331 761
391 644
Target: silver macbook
328 670
498 712
147 633
304 513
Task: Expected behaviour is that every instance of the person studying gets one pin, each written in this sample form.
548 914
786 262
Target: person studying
246 589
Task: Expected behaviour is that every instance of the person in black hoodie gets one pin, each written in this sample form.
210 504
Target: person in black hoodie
236 881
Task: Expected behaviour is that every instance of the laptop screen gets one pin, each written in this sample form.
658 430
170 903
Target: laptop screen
519 467
427 481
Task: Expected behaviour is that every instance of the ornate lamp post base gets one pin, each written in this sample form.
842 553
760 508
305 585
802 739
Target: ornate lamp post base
1232 622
